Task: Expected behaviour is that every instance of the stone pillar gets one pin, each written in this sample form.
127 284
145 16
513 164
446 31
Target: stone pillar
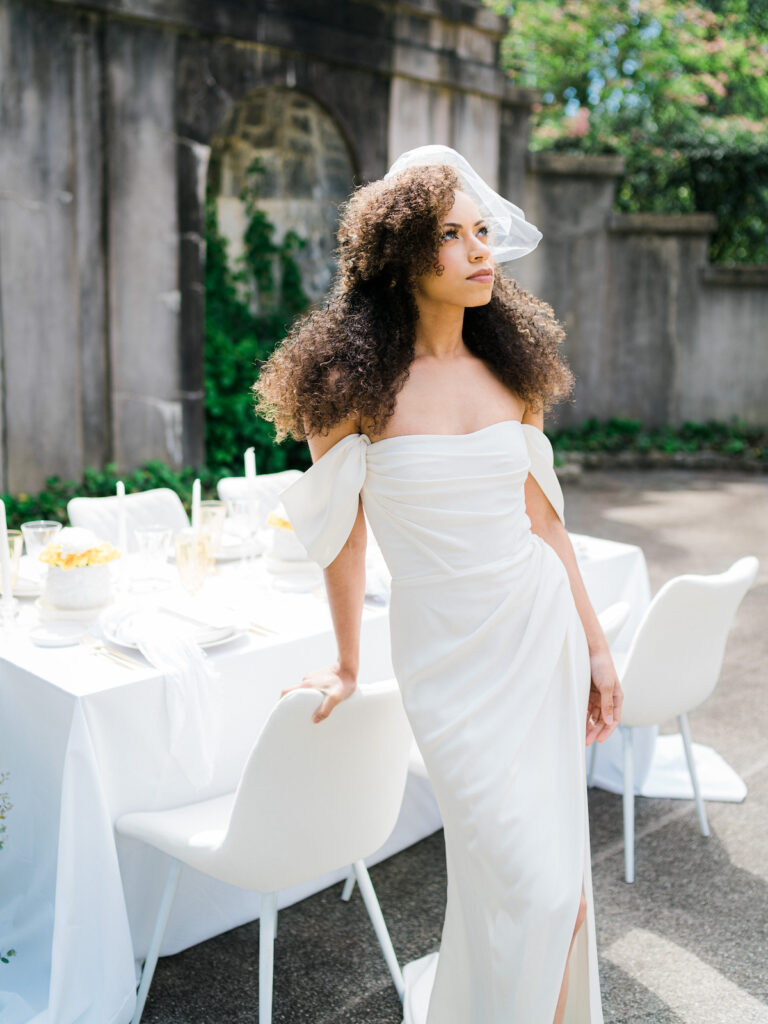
569 198
147 398
52 302
654 266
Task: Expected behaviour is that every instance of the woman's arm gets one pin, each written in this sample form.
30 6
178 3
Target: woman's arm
605 696
345 587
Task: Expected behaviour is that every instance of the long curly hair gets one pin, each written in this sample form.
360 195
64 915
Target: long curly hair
352 356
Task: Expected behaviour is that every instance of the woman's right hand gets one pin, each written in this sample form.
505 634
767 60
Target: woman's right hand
335 683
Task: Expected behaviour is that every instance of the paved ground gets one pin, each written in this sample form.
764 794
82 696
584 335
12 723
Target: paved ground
687 943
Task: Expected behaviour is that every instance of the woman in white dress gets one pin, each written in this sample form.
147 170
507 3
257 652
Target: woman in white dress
421 388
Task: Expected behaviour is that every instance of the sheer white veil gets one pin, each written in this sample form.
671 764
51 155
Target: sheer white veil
512 236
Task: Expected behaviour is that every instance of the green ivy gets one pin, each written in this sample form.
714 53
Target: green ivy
249 309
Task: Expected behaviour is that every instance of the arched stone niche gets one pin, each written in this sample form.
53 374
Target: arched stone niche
308 171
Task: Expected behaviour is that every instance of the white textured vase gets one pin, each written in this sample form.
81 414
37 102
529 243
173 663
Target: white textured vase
85 586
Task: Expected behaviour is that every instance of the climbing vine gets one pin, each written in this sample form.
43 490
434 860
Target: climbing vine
250 305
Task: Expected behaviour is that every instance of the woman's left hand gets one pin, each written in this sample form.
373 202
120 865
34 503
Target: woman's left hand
605 698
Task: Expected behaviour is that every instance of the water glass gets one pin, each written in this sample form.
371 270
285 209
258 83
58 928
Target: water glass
37 534
193 551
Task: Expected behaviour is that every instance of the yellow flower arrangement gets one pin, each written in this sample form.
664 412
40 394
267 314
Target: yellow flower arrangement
100 554
275 520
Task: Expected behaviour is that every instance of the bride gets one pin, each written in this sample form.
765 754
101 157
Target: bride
421 389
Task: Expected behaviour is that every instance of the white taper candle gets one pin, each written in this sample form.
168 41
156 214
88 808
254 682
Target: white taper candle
122 522
196 504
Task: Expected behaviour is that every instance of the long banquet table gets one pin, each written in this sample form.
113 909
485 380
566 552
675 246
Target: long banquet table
84 740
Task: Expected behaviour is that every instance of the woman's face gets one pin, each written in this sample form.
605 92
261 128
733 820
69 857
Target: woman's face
463 274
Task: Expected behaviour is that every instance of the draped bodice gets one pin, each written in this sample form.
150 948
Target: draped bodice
438 504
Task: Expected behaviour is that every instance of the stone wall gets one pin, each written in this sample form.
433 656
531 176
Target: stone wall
112 114
654 332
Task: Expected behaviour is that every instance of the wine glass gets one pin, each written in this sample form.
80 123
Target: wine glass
245 519
193 552
152 551
212 515
15 544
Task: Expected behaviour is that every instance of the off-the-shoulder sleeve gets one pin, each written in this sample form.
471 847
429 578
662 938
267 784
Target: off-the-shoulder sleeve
543 467
322 504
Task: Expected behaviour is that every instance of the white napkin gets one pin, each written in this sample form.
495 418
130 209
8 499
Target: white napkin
193 715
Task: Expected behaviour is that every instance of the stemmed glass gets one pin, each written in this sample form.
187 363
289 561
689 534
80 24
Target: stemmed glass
212 515
152 550
245 518
15 543
193 552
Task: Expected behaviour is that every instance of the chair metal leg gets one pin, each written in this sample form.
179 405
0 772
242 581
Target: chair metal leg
349 885
267 929
592 762
628 804
377 920
161 921
685 732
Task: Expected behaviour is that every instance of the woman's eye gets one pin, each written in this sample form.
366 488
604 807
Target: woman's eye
450 233
483 231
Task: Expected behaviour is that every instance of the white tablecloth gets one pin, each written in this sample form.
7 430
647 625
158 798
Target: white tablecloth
85 741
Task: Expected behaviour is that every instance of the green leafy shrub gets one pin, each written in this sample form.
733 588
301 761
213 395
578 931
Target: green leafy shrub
679 88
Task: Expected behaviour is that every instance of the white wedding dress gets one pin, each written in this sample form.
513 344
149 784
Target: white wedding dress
492 661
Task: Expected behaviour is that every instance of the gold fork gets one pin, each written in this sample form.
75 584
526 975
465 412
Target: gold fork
95 646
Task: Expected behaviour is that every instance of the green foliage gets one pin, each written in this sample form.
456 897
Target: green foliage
678 87
735 438
249 309
51 503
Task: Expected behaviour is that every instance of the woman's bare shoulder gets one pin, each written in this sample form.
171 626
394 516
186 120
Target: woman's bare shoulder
319 444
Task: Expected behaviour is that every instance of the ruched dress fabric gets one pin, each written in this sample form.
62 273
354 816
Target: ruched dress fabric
493 665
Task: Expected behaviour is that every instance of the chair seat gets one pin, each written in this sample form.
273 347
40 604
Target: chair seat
192 833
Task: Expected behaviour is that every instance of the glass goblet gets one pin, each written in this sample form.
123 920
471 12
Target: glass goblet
245 522
193 551
152 544
212 516
15 544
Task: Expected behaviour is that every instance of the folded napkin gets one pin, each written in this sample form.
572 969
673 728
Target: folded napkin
192 711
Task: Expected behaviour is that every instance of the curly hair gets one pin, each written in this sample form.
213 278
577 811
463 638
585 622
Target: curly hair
352 356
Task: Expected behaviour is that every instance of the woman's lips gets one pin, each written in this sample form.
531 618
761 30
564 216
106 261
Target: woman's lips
484 278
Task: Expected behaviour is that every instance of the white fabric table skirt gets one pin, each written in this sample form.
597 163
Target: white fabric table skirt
85 741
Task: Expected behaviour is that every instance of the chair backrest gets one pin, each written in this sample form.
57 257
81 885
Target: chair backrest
612 620
267 486
675 658
145 508
316 796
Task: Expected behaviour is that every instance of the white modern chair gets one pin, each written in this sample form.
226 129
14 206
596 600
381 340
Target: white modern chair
158 506
312 798
266 486
673 665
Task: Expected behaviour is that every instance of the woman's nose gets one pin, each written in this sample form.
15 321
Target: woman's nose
478 249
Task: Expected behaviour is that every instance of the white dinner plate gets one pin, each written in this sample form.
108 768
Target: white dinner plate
116 627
